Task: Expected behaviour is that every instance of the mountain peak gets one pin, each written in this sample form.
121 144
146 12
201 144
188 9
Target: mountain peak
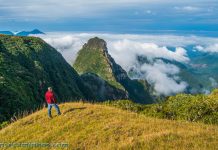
94 58
36 31
96 43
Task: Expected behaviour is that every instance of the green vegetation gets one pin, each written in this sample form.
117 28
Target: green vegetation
91 126
197 108
101 89
126 105
92 58
28 66
193 108
4 124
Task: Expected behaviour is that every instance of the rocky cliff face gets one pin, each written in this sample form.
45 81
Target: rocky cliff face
94 58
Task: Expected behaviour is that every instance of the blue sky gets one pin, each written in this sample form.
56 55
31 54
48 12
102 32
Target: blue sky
117 16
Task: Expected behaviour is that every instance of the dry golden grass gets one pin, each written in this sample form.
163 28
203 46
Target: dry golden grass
92 126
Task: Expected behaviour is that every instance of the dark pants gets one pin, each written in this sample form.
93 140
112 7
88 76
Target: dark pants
55 106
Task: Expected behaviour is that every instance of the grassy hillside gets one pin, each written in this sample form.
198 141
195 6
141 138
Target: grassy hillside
28 66
89 126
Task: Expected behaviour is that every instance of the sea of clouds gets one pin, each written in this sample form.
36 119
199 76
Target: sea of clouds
125 48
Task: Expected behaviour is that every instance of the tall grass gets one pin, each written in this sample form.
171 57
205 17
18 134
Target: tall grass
96 126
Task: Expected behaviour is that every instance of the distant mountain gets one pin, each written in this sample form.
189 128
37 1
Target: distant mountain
201 73
26 33
22 33
94 58
6 32
28 66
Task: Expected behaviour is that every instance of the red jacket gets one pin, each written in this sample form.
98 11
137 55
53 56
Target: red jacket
50 98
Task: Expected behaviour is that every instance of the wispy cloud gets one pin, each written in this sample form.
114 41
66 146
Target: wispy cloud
209 48
98 15
64 8
188 8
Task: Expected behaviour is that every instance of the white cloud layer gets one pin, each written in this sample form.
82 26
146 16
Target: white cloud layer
125 48
67 45
209 48
163 77
126 51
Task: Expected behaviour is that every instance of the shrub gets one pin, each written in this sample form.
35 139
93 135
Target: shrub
126 105
194 108
4 124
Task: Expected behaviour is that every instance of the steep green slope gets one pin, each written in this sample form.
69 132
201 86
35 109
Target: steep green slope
94 58
88 126
28 66
101 89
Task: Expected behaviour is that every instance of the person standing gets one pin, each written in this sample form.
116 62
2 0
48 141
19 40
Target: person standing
51 101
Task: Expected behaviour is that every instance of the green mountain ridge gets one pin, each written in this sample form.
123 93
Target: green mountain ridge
28 66
94 58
